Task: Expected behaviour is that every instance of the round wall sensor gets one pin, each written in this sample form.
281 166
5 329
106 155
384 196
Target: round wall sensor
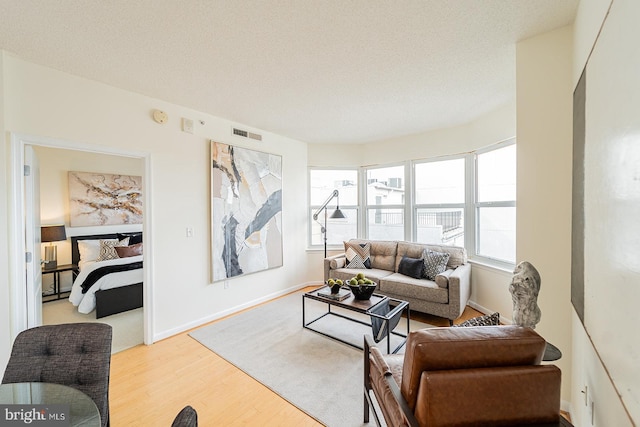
160 116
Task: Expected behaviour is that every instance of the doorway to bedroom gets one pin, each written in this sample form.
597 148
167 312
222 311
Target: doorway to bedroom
55 160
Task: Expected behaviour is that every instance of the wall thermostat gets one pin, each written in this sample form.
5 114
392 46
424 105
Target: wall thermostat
160 116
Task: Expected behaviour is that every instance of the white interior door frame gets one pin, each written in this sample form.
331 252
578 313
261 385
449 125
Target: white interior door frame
17 231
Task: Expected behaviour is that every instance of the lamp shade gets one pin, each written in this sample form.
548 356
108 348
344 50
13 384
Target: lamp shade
52 233
337 214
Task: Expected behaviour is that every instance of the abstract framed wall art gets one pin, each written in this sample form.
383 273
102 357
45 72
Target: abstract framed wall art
246 210
104 199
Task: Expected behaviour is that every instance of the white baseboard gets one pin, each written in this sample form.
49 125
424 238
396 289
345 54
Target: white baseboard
485 310
229 311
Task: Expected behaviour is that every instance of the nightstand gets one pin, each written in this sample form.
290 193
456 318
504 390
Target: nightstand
56 279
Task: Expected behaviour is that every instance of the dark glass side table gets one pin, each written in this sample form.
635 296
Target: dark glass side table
56 280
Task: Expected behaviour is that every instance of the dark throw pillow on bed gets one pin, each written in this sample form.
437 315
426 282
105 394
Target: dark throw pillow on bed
412 267
129 251
134 238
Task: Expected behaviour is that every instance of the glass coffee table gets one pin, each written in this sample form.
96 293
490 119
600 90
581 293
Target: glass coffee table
383 315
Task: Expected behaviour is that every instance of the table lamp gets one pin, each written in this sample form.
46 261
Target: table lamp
50 234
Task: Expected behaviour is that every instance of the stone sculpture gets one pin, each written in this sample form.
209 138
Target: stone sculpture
524 289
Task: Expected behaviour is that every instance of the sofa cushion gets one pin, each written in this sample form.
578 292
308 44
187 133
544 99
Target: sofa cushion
457 255
406 287
434 263
358 254
412 267
383 253
347 273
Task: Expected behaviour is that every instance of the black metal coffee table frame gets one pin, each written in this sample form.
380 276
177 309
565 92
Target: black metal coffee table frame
358 306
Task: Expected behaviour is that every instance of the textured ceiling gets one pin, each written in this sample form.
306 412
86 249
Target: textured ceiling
332 71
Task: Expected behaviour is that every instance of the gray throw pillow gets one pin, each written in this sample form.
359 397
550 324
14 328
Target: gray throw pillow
412 267
434 263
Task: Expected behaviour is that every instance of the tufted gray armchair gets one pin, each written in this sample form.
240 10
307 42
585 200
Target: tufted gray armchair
77 355
187 417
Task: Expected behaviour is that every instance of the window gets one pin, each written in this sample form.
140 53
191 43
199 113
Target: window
466 200
496 203
386 203
322 183
439 201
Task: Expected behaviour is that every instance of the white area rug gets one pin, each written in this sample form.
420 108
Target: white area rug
319 375
128 327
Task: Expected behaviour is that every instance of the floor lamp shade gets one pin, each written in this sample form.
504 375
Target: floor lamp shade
49 234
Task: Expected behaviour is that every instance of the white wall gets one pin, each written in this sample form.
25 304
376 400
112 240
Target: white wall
43 102
5 268
545 114
606 354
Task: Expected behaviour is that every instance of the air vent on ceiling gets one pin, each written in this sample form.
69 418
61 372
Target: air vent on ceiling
245 134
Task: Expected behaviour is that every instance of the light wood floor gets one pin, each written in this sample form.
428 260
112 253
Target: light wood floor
150 384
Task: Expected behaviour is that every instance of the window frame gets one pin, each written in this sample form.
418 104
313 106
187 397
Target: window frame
475 206
313 208
415 206
407 192
471 206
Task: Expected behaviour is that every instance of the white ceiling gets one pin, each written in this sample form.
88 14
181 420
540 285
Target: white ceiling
327 71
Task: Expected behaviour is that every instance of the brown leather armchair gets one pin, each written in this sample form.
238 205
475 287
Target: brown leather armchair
474 376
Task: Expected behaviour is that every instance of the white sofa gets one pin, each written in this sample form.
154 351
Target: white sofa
446 296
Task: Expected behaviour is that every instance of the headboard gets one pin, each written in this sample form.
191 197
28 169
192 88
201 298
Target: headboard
75 253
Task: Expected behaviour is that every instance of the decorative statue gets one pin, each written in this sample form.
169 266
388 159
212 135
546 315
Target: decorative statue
524 289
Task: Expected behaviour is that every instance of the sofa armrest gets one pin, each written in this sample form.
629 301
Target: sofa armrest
459 290
338 261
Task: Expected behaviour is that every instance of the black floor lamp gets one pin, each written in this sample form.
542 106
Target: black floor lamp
336 214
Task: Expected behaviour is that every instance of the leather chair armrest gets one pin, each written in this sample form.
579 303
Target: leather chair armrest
378 377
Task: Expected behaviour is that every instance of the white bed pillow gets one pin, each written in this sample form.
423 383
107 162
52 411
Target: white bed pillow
89 250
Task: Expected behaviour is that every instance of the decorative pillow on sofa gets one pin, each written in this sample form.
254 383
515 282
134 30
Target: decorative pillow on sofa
486 320
358 255
107 248
434 263
412 267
